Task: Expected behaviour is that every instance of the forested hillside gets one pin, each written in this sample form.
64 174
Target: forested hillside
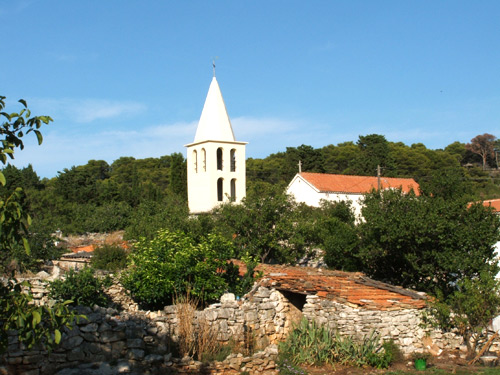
98 197
396 160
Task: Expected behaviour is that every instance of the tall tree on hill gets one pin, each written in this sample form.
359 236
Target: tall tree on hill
374 151
482 145
310 158
178 175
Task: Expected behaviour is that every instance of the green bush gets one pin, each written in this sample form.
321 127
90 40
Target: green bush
172 264
109 258
312 344
309 344
81 287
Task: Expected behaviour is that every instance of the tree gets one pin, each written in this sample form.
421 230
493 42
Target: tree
178 175
426 243
482 145
373 151
447 183
173 264
338 235
468 310
263 227
34 324
14 220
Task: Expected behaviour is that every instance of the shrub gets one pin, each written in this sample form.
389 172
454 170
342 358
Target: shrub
81 287
109 258
312 344
173 263
309 344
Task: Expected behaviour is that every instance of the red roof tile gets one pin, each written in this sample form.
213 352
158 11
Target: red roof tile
494 203
357 184
352 288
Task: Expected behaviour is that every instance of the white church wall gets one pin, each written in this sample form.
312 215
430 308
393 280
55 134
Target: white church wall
303 192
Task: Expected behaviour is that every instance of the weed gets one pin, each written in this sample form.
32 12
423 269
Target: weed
196 337
312 344
288 368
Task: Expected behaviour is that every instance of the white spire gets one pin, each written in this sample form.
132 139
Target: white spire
214 123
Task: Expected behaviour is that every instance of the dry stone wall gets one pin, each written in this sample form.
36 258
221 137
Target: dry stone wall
126 339
142 342
402 325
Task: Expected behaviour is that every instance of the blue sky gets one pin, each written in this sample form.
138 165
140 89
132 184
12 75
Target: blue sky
129 78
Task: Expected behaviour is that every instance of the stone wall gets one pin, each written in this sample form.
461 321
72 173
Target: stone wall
133 340
402 325
142 341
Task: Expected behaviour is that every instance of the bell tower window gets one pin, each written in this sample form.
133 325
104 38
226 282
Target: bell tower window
195 161
233 160
219 159
204 159
233 190
220 192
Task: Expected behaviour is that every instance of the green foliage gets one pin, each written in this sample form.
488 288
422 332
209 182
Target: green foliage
311 344
374 150
468 310
341 246
109 258
334 229
150 216
424 242
308 343
363 352
173 263
81 287
42 249
33 324
448 183
219 353
263 227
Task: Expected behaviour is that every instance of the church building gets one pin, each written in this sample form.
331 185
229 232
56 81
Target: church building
216 171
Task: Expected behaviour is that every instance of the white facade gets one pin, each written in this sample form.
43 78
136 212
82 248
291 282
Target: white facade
216 170
311 188
305 192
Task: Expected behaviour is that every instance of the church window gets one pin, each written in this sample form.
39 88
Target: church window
204 159
233 160
233 190
219 159
195 161
220 192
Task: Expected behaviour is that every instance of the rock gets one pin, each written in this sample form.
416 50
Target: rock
122 368
92 327
42 275
135 343
135 354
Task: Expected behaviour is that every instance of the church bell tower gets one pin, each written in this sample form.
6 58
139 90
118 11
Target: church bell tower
216 171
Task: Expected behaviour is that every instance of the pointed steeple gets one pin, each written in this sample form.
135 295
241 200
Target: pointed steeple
214 123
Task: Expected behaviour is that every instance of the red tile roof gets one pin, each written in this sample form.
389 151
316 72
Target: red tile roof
357 184
351 288
494 203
